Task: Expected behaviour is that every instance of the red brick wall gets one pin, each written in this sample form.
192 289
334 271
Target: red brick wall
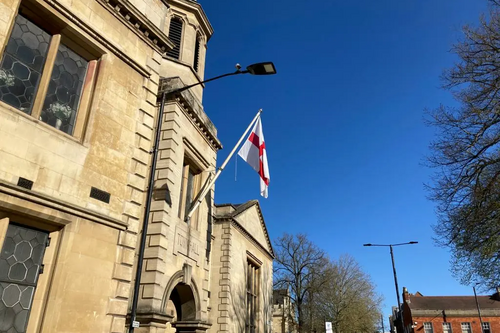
437 323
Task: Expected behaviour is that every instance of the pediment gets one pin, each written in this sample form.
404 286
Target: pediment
249 217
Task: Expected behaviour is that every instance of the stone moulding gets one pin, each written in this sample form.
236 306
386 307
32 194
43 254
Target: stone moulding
239 209
91 32
28 202
454 313
193 108
139 23
245 233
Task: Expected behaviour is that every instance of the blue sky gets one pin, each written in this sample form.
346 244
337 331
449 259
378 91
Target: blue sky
343 123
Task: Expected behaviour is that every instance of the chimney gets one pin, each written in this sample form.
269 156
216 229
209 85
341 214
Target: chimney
406 295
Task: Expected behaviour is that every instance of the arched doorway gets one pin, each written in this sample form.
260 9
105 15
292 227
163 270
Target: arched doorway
181 304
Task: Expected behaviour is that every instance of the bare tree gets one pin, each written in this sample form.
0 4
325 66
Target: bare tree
348 300
296 267
466 155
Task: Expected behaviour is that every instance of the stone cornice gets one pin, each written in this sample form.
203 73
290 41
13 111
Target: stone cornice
138 23
15 198
59 9
454 313
240 209
193 109
245 233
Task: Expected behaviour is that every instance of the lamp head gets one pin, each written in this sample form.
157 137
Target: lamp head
367 244
262 68
413 242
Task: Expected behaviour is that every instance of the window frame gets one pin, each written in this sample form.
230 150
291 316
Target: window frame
468 324
486 326
430 328
36 284
448 326
197 53
61 31
252 287
181 37
189 168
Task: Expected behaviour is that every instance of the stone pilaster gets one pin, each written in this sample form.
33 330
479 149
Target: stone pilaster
225 280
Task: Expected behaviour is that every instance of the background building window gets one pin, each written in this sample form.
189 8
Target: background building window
486 327
175 35
466 328
428 328
252 297
197 46
447 328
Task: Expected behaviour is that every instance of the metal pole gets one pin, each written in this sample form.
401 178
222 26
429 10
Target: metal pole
382 319
208 186
395 278
142 246
478 309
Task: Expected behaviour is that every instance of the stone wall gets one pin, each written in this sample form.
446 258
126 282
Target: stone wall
89 265
234 247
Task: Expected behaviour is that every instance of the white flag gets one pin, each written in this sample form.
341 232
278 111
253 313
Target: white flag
253 152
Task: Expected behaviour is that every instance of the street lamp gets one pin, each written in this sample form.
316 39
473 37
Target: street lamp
261 68
393 266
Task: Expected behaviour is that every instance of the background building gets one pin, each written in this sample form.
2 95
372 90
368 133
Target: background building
242 270
448 314
79 85
282 312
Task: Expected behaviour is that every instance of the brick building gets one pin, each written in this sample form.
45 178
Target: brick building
450 314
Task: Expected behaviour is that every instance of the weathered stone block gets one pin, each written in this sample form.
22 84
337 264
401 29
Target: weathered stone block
117 307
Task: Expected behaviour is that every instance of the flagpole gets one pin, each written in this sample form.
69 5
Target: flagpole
211 181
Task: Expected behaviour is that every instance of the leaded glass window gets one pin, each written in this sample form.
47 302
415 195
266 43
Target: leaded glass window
42 75
20 261
64 92
22 64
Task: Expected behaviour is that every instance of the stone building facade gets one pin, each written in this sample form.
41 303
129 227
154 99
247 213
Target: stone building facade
79 87
242 270
282 312
449 314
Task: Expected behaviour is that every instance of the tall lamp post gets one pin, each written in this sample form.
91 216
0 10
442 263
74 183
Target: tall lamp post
390 246
261 68
478 308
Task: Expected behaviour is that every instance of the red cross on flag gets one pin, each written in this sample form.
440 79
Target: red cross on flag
253 152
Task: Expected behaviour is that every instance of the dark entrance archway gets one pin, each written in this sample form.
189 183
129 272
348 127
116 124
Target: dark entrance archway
182 304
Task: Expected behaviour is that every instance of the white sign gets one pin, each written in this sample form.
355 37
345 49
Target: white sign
328 326
135 324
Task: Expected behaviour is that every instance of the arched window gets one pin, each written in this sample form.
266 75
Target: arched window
197 47
175 35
